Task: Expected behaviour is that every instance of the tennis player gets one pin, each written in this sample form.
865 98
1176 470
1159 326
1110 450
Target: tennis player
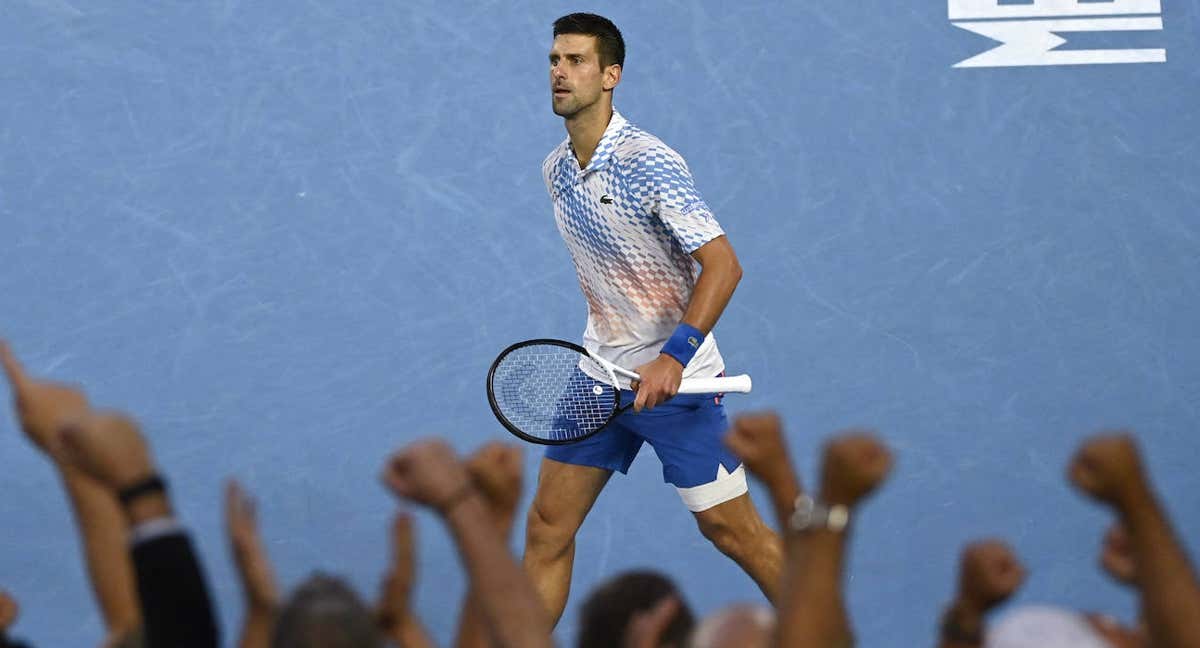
636 229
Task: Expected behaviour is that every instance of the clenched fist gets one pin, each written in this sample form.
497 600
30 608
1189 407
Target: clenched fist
989 574
43 408
8 611
427 472
496 469
108 447
855 464
757 439
1109 469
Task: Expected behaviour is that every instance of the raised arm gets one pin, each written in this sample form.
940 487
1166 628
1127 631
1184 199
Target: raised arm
394 611
259 590
812 613
43 408
1109 469
428 472
988 574
757 439
496 470
175 603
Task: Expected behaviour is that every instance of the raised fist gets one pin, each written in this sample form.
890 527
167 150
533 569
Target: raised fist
855 463
497 471
427 472
757 439
108 447
989 573
8 612
1109 469
42 407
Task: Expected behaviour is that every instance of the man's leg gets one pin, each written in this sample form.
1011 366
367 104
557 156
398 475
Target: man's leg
737 530
565 494
687 433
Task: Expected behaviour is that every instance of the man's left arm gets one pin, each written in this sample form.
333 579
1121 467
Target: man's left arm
720 273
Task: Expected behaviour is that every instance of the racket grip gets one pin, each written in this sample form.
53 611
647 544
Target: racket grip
739 384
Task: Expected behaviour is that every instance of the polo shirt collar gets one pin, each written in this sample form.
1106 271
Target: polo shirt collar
608 144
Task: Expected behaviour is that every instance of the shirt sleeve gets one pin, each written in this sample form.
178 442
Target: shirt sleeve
671 195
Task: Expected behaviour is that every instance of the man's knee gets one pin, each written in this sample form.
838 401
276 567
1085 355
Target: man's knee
547 532
728 538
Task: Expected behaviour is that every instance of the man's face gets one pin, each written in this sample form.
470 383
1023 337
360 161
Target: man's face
576 79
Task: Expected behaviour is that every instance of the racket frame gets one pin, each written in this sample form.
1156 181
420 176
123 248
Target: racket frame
723 384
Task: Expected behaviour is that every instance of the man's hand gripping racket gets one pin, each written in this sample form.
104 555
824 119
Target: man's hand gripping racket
554 392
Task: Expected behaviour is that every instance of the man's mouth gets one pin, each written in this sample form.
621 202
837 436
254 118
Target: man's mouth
561 92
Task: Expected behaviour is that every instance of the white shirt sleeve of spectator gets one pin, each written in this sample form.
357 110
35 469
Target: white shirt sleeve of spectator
153 530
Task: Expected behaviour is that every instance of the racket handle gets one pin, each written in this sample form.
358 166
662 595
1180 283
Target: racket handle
727 384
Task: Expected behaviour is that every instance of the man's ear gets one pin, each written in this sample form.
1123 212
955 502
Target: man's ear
612 76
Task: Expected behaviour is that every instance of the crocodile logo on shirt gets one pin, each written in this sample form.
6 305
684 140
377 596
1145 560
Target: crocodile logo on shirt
606 199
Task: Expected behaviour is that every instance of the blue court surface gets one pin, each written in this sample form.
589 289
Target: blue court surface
291 236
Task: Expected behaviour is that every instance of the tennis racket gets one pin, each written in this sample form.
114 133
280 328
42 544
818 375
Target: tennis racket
543 391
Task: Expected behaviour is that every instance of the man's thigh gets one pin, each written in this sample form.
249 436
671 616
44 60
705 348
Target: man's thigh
566 492
687 433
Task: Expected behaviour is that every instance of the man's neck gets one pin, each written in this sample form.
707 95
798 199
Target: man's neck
585 129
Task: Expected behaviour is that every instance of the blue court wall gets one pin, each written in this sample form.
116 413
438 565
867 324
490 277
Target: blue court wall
290 237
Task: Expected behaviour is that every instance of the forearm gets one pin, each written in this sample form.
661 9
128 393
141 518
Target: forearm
784 491
256 630
410 633
510 606
472 631
1169 591
965 620
104 532
812 613
472 628
720 273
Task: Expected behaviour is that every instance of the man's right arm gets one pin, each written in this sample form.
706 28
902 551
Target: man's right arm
1109 469
428 472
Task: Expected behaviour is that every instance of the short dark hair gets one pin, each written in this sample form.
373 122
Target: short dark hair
612 604
608 38
323 611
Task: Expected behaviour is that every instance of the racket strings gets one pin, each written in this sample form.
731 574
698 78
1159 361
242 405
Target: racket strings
540 390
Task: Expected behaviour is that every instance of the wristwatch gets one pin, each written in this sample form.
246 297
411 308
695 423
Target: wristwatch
810 514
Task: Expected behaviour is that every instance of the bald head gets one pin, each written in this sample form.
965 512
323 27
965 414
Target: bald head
737 626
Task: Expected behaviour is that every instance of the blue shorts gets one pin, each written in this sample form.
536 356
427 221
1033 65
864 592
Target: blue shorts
686 433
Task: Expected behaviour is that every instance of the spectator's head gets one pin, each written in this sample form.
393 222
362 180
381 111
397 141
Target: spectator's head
323 611
737 626
611 606
1036 626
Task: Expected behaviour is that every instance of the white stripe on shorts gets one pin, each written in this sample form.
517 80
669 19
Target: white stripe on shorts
725 487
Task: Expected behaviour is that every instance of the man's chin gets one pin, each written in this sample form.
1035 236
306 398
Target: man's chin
563 111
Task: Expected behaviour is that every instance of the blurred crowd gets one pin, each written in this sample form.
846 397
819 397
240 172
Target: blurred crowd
151 588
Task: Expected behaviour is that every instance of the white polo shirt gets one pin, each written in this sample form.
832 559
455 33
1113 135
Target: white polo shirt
630 220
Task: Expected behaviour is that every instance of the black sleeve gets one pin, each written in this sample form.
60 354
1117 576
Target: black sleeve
176 609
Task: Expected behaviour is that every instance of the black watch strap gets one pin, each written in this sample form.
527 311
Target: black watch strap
148 486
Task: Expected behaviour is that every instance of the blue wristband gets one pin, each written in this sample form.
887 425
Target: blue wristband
683 343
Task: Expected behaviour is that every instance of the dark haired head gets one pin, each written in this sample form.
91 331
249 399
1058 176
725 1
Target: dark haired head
324 611
612 604
608 38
